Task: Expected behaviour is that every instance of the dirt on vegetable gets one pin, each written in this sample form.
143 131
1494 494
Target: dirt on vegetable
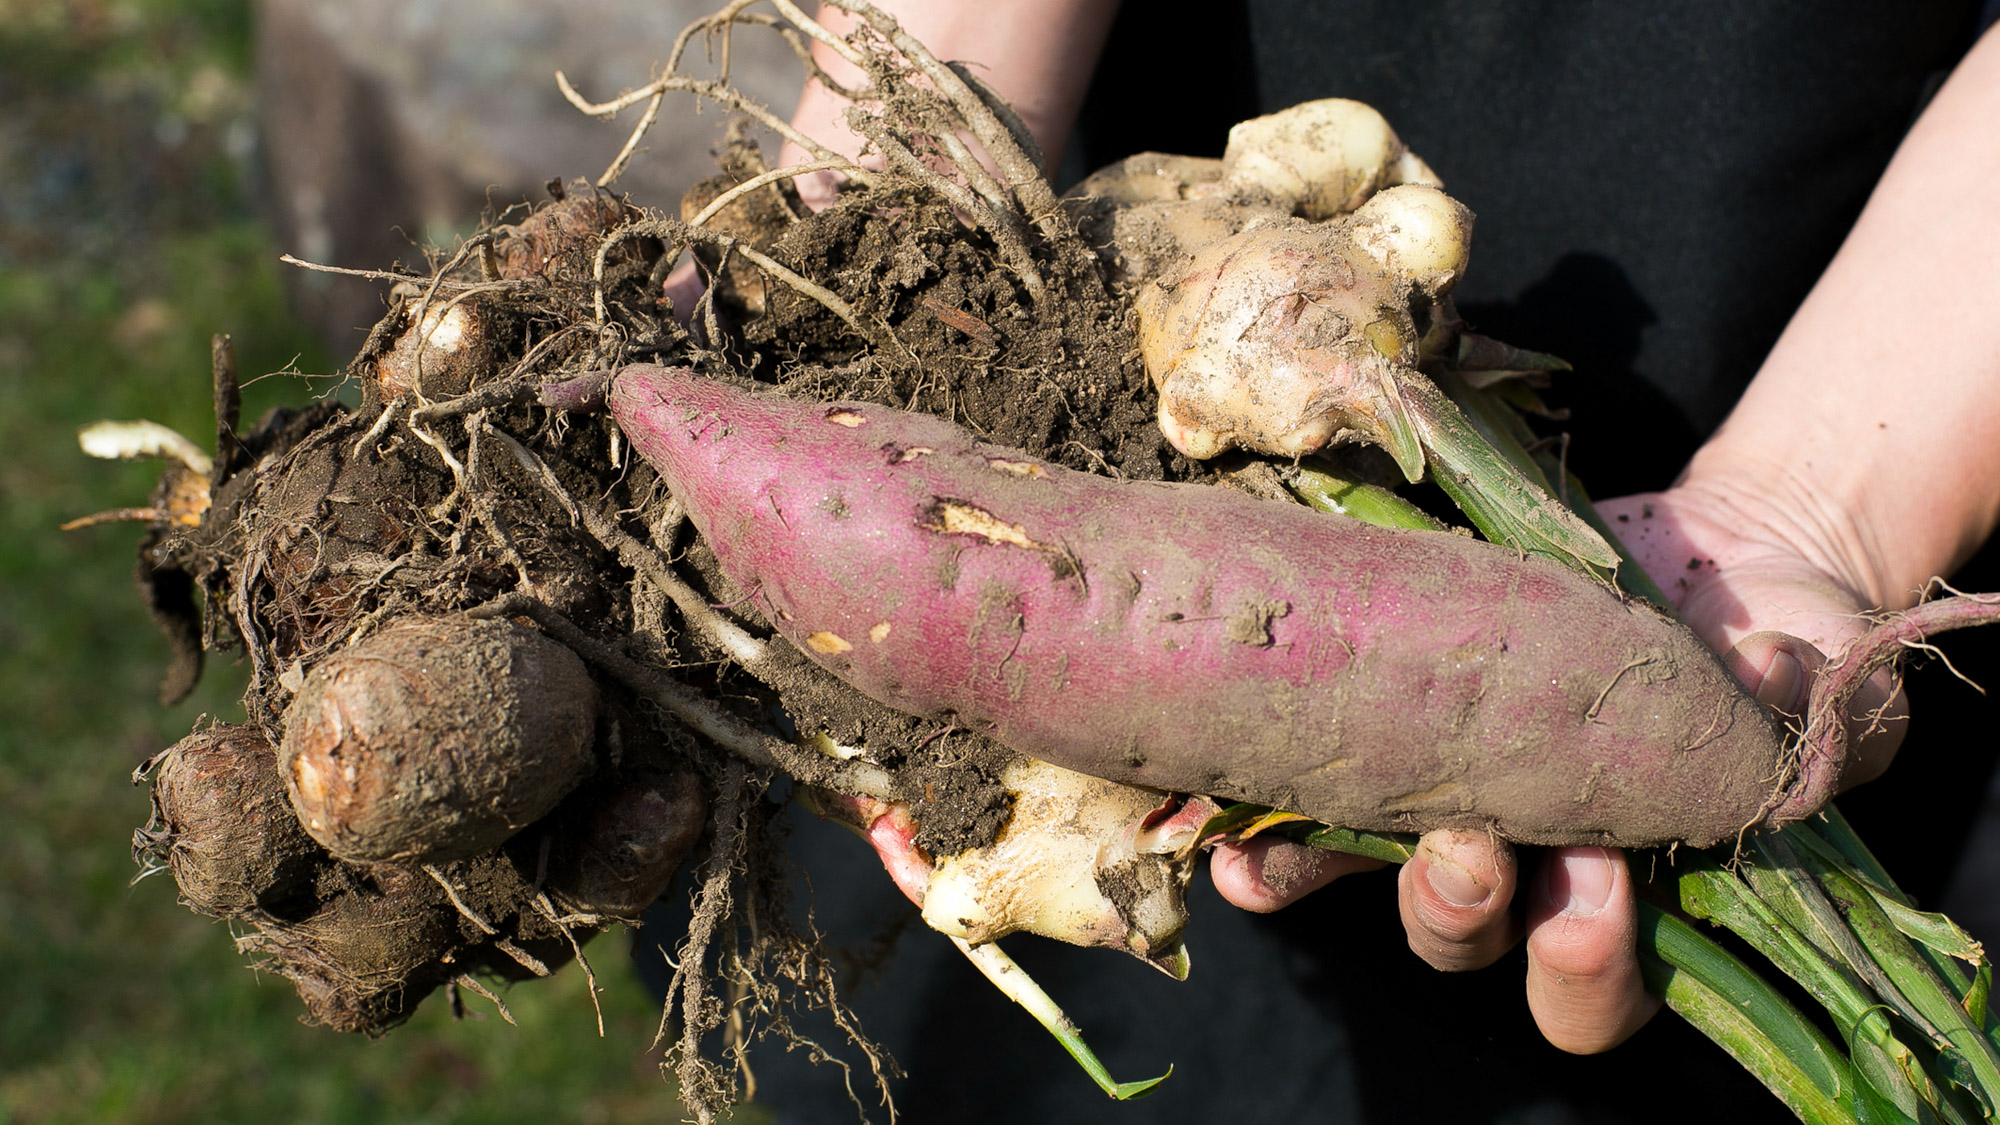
502 689
490 659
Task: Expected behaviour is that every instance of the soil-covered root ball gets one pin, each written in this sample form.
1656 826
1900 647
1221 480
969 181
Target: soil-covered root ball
223 826
620 849
437 739
366 958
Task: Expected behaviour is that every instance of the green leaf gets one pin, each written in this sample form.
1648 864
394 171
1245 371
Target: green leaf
1835 839
1920 993
1484 353
1708 891
1887 1065
1274 819
1239 822
1934 930
1390 847
1230 820
1500 499
1133 1091
1953 1066
1500 423
1975 998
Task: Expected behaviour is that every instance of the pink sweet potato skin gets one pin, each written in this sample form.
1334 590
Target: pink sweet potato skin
1197 639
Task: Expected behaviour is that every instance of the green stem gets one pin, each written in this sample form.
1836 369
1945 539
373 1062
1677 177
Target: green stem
1840 937
1920 996
1014 982
1747 1018
1369 503
1944 946
1509 434
1712 990
1709 892
1501 495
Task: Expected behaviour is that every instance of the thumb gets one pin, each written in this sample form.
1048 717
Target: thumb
1778 668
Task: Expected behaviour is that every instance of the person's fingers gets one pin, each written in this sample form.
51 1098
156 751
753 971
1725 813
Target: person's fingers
1263 875
1779 669
1583 969
1454 896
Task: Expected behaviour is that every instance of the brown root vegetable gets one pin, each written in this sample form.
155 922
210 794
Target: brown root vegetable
1151 177
453 350
1418 233
1147 240
559 242
1193 639
223 824
1080 860
366 958
1147 213
620 851
436 739
1291 337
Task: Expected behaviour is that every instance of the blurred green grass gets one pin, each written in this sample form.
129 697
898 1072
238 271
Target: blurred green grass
127 236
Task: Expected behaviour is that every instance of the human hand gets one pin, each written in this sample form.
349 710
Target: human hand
1457 897
1768 592
1756 589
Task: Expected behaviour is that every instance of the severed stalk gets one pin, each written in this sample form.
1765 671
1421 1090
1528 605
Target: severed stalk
1015 984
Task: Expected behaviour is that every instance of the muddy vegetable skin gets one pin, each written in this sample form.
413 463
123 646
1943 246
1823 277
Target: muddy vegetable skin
223 825
1193 639
436 739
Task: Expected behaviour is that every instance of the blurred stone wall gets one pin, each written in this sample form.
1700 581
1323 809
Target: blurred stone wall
387 124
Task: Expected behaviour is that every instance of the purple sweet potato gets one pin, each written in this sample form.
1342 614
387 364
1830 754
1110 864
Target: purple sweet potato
1195 639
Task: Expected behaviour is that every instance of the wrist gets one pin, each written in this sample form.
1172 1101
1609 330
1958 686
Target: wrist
1771 504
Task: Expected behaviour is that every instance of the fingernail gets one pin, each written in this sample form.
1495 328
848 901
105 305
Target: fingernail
1453 883
1585 883
1784 685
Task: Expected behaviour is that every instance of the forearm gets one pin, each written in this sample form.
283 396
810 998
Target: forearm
1038 54
1873 428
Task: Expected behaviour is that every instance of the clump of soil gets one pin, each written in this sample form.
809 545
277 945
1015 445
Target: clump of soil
1058 376
508 687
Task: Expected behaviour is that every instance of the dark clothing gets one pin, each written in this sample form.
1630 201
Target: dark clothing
1657 186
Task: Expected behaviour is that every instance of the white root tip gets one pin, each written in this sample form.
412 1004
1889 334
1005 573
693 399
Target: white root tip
133 440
